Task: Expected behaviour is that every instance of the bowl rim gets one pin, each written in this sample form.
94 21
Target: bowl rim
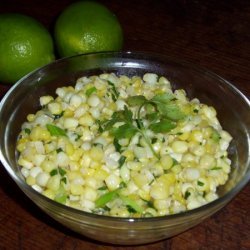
133 55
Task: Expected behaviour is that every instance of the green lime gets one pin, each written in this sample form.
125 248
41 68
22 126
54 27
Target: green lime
25 45
85 27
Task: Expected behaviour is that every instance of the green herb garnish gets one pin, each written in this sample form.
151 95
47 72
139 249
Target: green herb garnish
186 195
131 204
59 150
61 198
62 172
215 136
53 172
200 183
121 161
56 131
161 119
27 131
117 145
216 168
104 199
114 92
90 91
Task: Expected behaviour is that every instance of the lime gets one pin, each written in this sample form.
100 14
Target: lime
85 27
25 45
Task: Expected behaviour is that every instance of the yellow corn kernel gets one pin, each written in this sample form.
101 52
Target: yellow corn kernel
31 117
167 179
49 193
86 120
129 155
207 161
76 189
184 136
196 135
30 180
159 191
112 106
73 175
25 163
176 169
95 165
134 165
145 195
39 133
69 149
89 172
89 193
68 113
96 153
85 160
77 154
49 147
55 108
54 183
199 150
74 165
119 212
45 100
166 162
21 144
113 182
140 179
101 174
180 146
161 204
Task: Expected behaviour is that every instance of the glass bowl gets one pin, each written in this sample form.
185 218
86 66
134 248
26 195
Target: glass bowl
233 111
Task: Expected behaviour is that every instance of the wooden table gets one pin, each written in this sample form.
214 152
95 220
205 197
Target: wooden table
212 34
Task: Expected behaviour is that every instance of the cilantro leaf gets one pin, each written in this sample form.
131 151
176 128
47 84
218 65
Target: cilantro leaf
171 111
153 116
126 130
136 100
163 126
164 98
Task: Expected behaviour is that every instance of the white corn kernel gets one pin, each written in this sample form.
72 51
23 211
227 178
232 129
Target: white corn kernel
55 108
113 181
180 147
93 100
45 100
150 78
75 101
42 179
35 171
70 123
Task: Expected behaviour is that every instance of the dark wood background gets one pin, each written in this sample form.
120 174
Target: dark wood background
212 34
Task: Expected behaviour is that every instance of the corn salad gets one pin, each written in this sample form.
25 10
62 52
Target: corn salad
125 147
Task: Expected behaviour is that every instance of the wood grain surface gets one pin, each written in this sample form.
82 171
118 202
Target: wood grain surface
212 34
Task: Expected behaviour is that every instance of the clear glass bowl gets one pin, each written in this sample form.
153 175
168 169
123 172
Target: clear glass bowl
233 111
